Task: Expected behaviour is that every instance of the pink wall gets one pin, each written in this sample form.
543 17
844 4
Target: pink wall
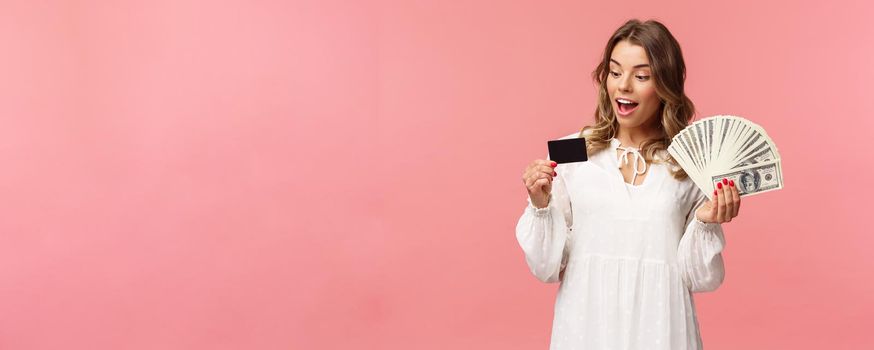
328 174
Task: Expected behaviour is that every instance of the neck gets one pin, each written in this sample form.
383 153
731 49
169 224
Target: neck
634 137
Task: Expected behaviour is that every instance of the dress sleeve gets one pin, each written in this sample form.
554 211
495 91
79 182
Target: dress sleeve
544 233
700 252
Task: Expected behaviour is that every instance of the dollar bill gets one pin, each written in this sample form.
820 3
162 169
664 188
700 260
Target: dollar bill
754 179
761 154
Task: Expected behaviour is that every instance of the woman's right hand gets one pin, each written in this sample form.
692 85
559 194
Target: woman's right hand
538 180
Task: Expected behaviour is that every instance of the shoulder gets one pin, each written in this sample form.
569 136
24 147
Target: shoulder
663 156
584 132
570 136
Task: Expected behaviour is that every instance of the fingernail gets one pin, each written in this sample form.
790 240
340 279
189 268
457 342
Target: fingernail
719 185
731 183
714 193
725 181
554 164
554 173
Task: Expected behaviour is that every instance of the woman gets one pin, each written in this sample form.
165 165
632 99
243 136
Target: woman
627 233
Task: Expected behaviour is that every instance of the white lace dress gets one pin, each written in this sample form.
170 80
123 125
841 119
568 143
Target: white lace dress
628 257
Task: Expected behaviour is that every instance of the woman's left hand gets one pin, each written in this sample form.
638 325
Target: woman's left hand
724 205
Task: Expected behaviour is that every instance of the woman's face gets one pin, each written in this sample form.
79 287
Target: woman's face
630 80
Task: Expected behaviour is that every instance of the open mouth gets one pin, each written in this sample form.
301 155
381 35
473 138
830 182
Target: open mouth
626 106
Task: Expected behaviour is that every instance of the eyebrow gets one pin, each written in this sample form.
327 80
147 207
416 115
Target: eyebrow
637 66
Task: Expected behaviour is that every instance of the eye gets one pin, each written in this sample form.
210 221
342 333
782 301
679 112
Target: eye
643 77
614 74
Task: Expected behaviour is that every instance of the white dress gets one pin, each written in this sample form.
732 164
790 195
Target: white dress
628 257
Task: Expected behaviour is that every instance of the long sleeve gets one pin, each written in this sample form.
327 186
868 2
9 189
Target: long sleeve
544 233
700 252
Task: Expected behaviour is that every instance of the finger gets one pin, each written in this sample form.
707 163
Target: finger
525 176
540 165
532 171
547 163
720 207
528 170
536 164
546 170
546 176
542 183
531 180
729 200
714 205
735 195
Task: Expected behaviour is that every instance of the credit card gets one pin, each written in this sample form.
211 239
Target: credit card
568 150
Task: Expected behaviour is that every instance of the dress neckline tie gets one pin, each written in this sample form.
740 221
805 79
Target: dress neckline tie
623 158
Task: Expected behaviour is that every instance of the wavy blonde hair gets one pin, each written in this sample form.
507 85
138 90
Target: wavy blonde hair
669 75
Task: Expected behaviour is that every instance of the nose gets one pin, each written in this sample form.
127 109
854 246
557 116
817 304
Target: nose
625 83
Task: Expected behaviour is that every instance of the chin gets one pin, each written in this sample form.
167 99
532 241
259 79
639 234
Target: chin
633 121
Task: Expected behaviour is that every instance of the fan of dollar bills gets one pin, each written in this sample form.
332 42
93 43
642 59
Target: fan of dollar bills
728 147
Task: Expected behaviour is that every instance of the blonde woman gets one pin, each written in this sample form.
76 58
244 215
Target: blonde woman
627 233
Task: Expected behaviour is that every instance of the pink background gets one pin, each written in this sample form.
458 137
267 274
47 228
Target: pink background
328 174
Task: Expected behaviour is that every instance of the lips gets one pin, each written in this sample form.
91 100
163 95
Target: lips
626 106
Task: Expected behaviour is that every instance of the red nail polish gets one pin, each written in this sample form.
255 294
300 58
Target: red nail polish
554 173
714 193
731 183
725 181
554 164
719 185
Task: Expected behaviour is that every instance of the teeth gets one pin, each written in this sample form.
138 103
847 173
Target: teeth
624 101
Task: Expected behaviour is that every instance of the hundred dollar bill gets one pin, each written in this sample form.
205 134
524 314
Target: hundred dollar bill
760 154
754 179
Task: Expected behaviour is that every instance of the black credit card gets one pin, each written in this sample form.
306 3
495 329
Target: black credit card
568 150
